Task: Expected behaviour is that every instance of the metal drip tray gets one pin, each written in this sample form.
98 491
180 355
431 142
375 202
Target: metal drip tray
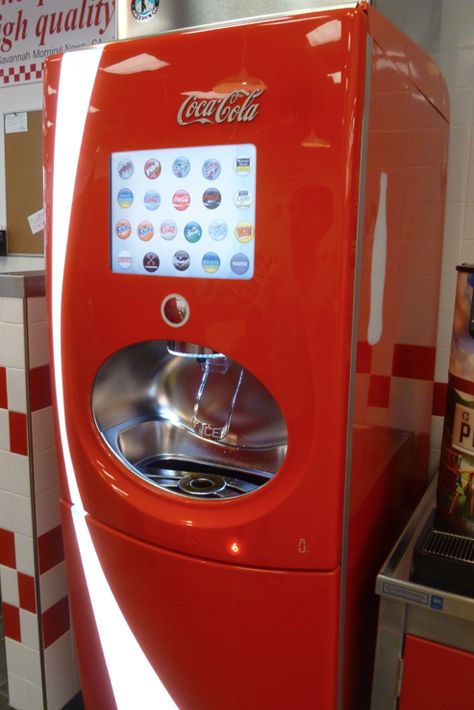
198 480
444 559
450 545
203 469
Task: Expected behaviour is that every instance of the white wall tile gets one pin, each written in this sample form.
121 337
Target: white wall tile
22 515
468 226
20 474
13 310
456 188
32 666
433 462
29 629
470 184
17 692
442 364
45 466
436 432
467 251
9 585
456 65
23 661
53 586
14 345
42 430
7 518
2 344
36 309
38 348
4 430
447 294
16 389
461 106
5 483
451 251
25 554
24 695
60 690
14 656
47 511
454 220
459 144
58 657
445 329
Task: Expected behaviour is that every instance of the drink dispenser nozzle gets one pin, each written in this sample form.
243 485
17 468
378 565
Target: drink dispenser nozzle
215 423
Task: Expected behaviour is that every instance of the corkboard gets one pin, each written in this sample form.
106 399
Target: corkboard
24 186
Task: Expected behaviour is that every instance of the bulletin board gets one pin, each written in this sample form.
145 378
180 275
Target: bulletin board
24 182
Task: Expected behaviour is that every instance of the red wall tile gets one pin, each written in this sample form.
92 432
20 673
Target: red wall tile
364 358
439 399
414 361
18 437
7 549
26 587
379 391
3 388
55 622
40 387
11 622
50 549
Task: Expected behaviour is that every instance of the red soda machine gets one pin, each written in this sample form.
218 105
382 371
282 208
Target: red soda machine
244 222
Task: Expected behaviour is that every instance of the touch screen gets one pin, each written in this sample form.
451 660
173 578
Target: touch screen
184 212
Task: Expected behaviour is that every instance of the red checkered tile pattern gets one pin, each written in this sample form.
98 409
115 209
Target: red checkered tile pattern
407 362
21 74
32 570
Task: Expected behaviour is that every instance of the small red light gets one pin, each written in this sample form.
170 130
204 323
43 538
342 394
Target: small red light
234 548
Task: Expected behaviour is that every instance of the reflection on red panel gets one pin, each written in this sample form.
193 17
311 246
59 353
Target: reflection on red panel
394 381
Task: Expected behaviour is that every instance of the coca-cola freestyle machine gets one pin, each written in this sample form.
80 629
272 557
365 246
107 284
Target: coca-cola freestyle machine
243 241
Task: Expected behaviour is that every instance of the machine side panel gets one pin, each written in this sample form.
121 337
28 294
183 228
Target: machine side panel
220 635
289 325
396 341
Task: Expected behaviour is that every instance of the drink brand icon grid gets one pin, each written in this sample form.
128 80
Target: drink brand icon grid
184 212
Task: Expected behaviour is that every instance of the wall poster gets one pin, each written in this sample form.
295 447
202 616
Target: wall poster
31 30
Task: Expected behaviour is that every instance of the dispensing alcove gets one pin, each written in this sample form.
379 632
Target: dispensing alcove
189 420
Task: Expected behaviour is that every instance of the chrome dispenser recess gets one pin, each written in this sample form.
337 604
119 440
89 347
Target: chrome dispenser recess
189 420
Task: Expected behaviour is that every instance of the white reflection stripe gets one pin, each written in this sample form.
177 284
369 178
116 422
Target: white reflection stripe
134 682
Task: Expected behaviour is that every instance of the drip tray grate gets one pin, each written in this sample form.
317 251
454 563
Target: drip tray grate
445 544
444 560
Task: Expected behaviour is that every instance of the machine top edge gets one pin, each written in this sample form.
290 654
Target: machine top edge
176 15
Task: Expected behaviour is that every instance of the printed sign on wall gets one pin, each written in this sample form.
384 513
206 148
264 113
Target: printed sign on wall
31 30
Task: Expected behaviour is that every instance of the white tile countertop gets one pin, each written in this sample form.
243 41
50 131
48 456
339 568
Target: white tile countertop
22 276
9 264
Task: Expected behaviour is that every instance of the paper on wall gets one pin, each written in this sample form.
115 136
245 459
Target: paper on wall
36 221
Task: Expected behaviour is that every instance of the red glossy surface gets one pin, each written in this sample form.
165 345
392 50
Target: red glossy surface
289 325
435 676
207 628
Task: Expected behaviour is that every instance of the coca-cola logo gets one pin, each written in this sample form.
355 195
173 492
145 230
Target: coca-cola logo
239 105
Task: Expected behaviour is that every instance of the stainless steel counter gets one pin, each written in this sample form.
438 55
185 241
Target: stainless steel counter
410 608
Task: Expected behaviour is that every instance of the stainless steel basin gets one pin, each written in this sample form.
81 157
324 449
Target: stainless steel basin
143 402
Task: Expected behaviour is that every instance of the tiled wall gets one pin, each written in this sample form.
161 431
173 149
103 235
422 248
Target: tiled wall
39 649
455 57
